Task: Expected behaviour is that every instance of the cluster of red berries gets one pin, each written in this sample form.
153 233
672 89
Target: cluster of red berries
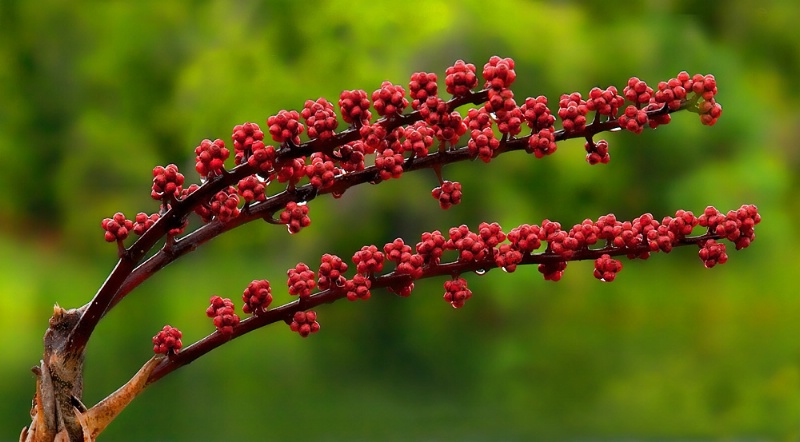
143 222
211 156
395 142
488 247
222 311
225 204
606 268
295 216
321 172
712 253
301 281
320 118
636 239
167 341
331 272
118 227
389 100
355 107
572 110
285 127
597 152
447 124
304 323
460 78
482 141
252 189
167 183
606 102
448 194
422 86
246 137
737 226
399 139
485 248
406 262
456 292
257 297
418 139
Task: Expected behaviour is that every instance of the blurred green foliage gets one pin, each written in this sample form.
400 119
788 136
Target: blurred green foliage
94 94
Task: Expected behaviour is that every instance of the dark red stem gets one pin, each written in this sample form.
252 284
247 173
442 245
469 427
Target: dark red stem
129 273
454 268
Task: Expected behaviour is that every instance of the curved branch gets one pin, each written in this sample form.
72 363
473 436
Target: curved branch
128 273
391 279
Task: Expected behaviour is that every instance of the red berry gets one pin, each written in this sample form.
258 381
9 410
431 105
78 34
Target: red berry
304 323
222 311
605 102
211 156
456 292
572 110
525 238
331 272
422 86
117 228
295 216
606 268
292 171
257 297
448 194
469 245
671 93
491 234
418 139
503 108
536 114
460 78
542 143
262 158
368 260
321 172
354 106
407 263
351 156
225 204
301 281
633 119
143 222
389 100
389 164
507 257
431 247
320 118
167 341
499 73
251 188
482 142
710 111
244 135
638 92
167 182
683 223
597 152
447 126
285 127
712 253
358 287
553 271
372 135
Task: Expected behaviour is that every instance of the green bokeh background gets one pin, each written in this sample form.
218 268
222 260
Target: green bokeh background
94 94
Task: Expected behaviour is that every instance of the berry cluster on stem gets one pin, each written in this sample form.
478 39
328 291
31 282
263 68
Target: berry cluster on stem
277 173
